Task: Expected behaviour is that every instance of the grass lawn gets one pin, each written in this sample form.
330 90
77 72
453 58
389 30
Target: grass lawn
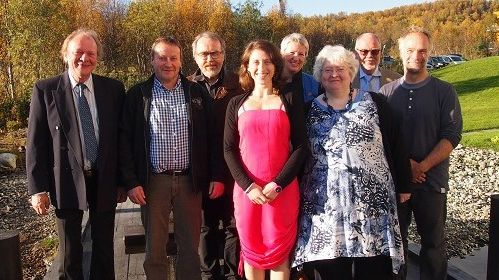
477 84
482 139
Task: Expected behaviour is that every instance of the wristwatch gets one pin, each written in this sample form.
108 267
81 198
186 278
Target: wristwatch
278 189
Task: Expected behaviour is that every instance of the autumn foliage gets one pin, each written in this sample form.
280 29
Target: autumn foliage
31 33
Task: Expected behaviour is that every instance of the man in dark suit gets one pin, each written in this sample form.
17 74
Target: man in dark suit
370 76
72 152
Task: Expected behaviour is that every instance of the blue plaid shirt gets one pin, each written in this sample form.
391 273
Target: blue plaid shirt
169 128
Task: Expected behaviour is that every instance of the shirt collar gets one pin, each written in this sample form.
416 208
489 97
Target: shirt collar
89 83
157 84
363 74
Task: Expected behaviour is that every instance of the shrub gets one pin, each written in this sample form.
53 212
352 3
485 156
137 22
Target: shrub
13 125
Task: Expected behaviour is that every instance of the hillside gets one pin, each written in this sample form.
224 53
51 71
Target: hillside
477 84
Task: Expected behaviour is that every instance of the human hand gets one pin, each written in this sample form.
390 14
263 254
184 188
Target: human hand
269 191
121 195
41 203
418 174
256 195
403 197
137 195
216 189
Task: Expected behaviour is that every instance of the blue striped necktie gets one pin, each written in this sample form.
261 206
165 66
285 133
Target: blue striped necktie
87 125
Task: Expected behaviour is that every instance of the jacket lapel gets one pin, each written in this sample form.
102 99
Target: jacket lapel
63 97
100 103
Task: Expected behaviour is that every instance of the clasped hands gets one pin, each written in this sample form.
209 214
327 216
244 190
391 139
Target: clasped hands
259 195
418 172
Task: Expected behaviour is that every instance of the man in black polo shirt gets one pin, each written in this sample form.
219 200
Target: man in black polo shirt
432 126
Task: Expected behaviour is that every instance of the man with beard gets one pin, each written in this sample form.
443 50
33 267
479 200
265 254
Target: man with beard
220 86
370 76
432 126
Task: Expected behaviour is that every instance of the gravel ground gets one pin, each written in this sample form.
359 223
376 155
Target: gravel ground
37 234
474 177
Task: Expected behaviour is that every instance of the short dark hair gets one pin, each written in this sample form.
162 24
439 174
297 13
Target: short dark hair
245 79
170 40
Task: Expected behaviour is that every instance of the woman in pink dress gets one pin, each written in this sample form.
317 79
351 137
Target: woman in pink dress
265 145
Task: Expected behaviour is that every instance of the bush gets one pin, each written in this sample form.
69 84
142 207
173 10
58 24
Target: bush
6 112
13 125
14 112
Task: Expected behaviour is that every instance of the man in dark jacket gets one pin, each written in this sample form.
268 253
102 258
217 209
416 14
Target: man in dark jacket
72 155
164 159
220 86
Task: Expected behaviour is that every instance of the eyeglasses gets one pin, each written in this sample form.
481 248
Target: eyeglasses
373 52
331 70
213 55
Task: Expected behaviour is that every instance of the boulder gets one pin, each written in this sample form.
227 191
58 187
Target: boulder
8 161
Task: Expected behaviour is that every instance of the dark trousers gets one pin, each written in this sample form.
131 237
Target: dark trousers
366 268
70 244
212 238
430 212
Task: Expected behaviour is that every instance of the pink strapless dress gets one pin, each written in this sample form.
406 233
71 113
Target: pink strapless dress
267 232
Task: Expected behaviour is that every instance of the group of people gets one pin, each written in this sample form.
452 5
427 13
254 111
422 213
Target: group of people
288 172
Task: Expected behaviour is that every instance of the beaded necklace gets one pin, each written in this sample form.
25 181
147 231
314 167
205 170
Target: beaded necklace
347 106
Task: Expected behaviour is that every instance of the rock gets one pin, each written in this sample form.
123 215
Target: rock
8 161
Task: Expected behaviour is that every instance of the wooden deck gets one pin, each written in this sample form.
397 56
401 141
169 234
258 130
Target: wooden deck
127 266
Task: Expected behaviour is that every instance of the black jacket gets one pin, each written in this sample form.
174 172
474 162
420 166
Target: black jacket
218 98
54 155
393 143
135 164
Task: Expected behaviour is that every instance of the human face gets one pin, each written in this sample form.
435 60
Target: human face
294 57
414 52
261 68
335 77
166 63
209 57
369 53
81 57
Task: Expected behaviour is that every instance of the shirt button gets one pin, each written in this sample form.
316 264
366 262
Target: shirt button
411 91
410 107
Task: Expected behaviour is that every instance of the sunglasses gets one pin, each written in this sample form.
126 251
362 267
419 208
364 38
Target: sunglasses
373 52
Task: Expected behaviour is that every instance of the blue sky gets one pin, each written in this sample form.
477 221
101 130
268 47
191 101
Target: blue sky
323 7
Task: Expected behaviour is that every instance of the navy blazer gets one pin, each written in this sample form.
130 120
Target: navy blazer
54 155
